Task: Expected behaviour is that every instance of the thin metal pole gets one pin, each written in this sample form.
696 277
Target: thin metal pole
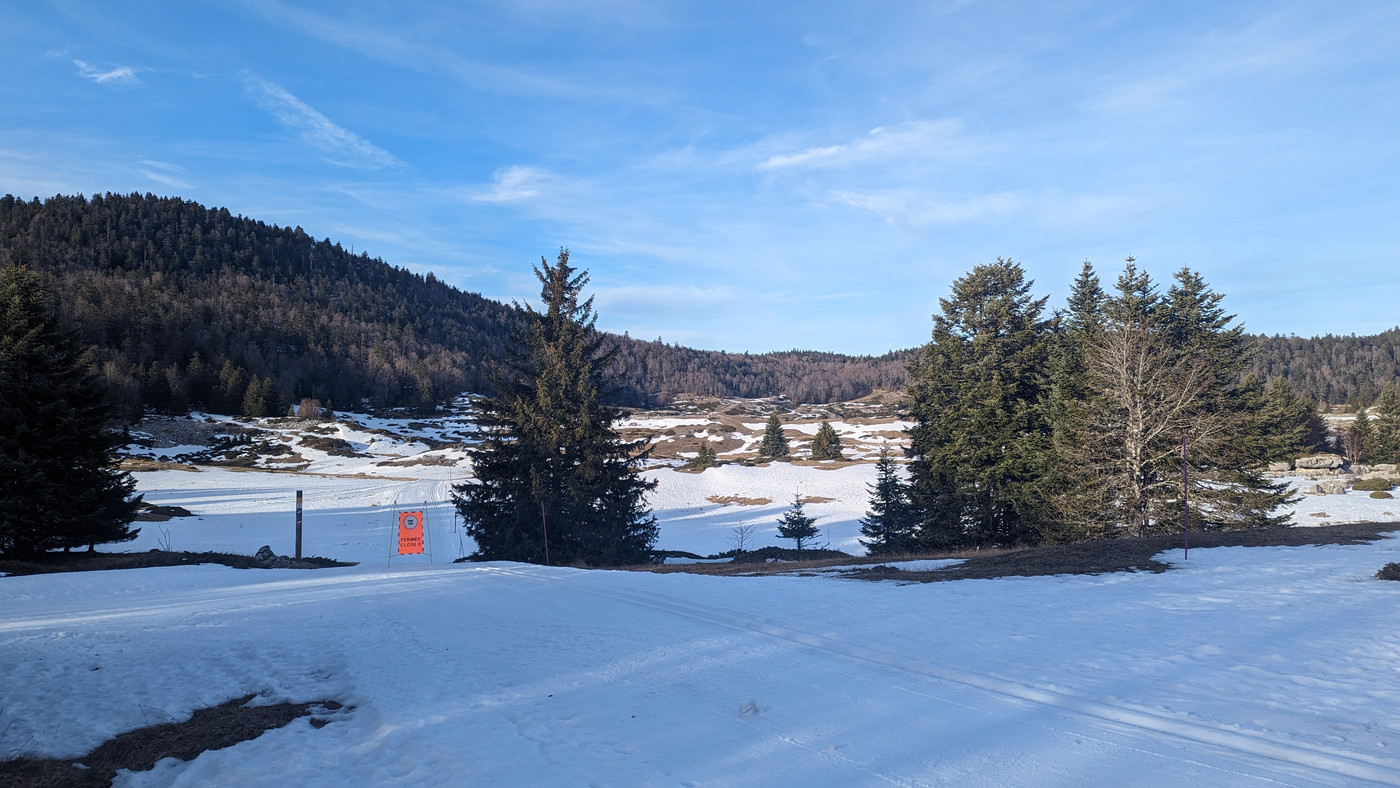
426 537
544 526
298 525
1185 505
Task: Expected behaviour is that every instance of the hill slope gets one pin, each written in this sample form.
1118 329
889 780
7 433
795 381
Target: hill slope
189 306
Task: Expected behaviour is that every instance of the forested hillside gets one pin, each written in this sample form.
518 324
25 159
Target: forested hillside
1332 369
187 306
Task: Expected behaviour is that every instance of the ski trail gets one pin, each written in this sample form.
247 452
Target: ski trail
1354 766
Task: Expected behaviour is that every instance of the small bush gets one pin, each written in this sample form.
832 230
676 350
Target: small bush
1381 494
1372 485
1390 571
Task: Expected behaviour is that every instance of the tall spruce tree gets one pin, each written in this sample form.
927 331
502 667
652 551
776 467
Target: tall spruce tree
1386 435
1076 329
774 443
888 525
980 441
826 444
551 462
59 484
796 525
1360 437
1163 371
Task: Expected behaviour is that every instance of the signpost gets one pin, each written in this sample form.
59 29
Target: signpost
298 525
411 533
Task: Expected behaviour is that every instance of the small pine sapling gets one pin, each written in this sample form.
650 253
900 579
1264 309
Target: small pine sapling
705 458
796 525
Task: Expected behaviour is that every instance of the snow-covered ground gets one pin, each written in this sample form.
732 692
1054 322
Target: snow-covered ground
1244 666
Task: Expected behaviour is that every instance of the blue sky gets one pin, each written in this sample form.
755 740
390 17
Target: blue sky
753 176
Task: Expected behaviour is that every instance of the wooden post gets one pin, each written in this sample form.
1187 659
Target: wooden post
298 525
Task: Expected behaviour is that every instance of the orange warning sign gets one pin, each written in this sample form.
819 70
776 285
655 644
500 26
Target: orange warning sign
410 532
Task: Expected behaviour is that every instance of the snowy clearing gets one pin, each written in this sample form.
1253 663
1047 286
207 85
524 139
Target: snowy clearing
1246 666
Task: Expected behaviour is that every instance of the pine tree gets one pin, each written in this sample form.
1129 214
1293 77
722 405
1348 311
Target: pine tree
1361 438
796 525
826 445
705 457
550 461
59 485
888 524
1076 330
1161 371
774 443
980 442
1386 439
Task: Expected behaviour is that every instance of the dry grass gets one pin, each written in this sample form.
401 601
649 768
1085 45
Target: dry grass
738 500
434 459
137 465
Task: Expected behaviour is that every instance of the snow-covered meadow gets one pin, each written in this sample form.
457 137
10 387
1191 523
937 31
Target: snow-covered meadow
1242 666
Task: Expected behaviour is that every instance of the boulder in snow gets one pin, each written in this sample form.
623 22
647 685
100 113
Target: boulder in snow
1322 461
1329 487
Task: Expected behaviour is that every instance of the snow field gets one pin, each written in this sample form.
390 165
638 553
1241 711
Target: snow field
1244 666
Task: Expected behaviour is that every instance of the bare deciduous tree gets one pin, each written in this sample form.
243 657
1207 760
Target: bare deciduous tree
741 536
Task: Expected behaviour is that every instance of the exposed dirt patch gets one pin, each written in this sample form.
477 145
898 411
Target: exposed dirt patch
213 728
137 465
332 446
87 562
738 500
153 513
421 459
1081 558
1128 555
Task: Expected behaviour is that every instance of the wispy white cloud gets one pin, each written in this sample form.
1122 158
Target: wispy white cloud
120 75
1269 51
917 139
164 173
913 209
513 184
909 208
337 144
410 44
172 182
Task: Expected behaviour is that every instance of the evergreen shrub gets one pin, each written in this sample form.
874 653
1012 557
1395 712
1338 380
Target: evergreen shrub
1381 494
1372 485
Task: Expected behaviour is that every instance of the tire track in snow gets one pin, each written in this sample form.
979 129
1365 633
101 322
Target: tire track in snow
1334 764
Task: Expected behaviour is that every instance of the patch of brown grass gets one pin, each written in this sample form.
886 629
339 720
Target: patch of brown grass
739 500
137 465
213 728
97 561
409 462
